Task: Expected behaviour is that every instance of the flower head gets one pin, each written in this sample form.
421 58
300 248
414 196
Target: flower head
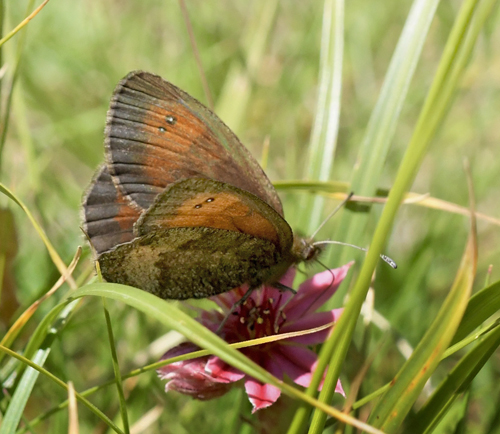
267 311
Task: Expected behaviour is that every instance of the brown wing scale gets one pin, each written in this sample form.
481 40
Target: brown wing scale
108 216
208 203
157 134
198 262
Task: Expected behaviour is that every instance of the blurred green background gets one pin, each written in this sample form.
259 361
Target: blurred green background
261 60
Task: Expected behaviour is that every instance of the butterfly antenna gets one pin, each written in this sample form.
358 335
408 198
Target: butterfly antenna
340 205
385 258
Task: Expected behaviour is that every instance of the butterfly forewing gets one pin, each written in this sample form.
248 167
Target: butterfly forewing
157 134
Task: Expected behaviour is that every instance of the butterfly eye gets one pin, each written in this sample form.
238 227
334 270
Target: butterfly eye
170 120
162 130
210 199
198 206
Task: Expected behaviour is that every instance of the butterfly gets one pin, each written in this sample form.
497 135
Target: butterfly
180 208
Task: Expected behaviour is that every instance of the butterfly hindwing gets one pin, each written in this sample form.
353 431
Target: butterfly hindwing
201 202
182 263
108 216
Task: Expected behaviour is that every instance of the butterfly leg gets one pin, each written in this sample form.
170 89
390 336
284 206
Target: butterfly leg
283 288
240 302
281 315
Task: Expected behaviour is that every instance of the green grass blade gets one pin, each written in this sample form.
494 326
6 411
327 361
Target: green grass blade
4 123
43 336
382 124
176 319
25 386
172 317
313 186
388 109
451 67
37 351
482 306
20 397
23 318
116 370
408 383
324 135
455 383
236 92
58 262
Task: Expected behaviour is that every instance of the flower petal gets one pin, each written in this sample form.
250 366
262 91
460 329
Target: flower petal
310 321
297 362
220 370
339 389
197 388
226 300
261 395
190 376
314 292
179 350
288 278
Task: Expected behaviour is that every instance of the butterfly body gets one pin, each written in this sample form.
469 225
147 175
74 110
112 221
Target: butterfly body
181 209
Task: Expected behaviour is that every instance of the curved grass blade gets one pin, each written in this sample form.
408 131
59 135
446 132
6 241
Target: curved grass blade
397 401
174 318
45 333
15 329
21 395
455 383
156 365
15 410
56 259
451 350
456 54
482 306
394 405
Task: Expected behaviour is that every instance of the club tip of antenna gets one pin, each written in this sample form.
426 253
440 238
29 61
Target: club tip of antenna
389 261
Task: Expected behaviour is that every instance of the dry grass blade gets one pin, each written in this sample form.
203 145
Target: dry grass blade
28 313
428 201
146 421
23 23
72 410
56 259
